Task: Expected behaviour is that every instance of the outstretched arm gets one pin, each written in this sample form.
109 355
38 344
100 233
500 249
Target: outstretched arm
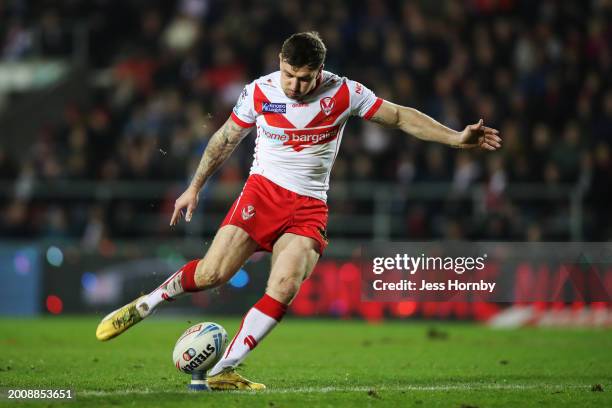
219 148
418 124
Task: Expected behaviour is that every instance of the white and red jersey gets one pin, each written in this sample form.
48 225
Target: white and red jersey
298 141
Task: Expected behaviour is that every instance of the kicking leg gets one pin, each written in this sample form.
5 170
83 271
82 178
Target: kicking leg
293 259
217 267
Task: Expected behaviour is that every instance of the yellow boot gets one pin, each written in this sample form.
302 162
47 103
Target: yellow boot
231 380
122 319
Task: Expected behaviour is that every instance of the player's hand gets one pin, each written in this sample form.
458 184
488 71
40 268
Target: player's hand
188 200
478 135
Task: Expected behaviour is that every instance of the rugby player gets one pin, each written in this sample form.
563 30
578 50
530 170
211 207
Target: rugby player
299 112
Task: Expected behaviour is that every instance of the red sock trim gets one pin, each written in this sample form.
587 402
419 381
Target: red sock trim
271 307
188 276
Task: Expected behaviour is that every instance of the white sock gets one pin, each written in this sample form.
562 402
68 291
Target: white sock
168 291
257 323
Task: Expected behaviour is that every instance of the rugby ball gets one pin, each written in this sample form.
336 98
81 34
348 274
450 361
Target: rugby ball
199 347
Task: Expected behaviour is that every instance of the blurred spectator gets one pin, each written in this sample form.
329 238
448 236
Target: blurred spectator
537 71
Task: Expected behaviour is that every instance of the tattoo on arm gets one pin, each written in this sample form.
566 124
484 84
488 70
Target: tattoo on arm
219 148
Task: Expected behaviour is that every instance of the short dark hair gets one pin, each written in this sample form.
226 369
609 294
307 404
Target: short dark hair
304 49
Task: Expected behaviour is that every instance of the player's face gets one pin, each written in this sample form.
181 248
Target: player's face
297 82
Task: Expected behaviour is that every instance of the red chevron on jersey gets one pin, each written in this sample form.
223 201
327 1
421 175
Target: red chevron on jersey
331 108
272 118
299 139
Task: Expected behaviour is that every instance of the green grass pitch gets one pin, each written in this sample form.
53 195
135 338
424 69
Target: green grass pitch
315 363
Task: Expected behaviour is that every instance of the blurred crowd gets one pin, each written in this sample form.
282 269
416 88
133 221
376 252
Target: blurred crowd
165 75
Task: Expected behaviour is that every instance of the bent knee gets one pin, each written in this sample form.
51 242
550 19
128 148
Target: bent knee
211 274
284 290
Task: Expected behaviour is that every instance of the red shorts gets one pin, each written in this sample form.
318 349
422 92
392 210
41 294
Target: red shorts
266 211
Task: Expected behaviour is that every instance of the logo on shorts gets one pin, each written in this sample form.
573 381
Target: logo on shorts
248 212
327 105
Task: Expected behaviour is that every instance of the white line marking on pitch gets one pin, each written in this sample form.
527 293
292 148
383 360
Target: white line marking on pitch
323 390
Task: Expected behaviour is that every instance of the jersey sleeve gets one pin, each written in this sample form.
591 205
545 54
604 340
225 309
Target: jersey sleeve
364 103
244 111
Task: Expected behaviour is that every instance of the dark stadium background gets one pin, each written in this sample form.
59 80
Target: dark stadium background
106 107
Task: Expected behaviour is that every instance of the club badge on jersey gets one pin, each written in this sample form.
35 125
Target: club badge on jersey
327 105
